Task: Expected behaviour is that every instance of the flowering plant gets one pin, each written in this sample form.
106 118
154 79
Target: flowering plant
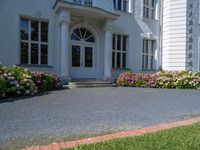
45 81
163 79
16 81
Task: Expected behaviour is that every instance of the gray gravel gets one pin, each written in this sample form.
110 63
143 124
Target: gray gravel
78 113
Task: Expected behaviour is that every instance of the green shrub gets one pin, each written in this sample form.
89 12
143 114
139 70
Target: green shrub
3 87
163 79
45 81
16 81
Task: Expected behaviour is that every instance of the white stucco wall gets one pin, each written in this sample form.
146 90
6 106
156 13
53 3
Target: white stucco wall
137 28
10 13
131 24
148 29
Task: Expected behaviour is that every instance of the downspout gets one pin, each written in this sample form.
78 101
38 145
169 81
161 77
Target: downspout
161 34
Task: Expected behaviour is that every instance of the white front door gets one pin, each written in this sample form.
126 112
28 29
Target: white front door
83 54
83 61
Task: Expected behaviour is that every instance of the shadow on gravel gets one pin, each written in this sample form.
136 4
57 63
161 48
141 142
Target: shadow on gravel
13 99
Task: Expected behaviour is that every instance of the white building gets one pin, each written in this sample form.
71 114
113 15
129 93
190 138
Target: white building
100 38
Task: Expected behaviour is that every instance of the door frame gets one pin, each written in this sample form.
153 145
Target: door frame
95 45
82 69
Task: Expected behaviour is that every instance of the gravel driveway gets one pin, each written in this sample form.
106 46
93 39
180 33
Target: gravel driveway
78 113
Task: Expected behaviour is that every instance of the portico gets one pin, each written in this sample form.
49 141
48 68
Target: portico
85 46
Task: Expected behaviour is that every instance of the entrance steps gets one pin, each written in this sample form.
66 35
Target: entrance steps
89 84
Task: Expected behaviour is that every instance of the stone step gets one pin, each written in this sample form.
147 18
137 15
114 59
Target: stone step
89 84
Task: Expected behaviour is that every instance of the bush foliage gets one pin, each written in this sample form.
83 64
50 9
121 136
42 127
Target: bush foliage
163 79
16 81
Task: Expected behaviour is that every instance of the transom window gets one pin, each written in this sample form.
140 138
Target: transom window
34 42
82 34
119 50
148 54
121 5
149 9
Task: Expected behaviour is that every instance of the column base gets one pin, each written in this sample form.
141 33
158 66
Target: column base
65 80
109 79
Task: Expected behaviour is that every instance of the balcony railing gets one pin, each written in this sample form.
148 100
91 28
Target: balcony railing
103 4
84 2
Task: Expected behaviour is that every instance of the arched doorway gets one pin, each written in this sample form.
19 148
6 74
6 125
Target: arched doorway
83 53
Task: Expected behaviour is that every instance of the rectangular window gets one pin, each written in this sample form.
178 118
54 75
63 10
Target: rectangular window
148 54
84 2
149 9
119 49
34 42
121 5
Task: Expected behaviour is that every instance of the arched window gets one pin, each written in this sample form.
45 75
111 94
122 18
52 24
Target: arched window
82 34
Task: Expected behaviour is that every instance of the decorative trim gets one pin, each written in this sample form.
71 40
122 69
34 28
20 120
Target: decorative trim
69 5
64 17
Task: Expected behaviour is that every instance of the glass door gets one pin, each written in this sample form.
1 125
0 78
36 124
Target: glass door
83 61
88 57
76 56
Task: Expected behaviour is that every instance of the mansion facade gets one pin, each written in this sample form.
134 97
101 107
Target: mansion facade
99 39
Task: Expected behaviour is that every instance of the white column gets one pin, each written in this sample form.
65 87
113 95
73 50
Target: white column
107 53
64 45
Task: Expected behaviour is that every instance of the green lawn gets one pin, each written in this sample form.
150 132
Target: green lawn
182 138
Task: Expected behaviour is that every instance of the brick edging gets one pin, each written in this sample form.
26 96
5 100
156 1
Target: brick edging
71 144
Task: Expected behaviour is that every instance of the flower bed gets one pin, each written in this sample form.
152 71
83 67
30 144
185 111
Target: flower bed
163 79
16 81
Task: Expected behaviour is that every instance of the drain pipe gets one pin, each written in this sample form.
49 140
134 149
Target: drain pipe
161 35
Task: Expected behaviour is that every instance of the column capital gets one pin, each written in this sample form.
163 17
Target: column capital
64 16
108 25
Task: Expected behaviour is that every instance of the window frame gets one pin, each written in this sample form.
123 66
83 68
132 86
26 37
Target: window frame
151 9
148 51
29 41
116 6
121 51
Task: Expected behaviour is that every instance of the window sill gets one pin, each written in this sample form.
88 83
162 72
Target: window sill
34 66
146 71
121 69
150 19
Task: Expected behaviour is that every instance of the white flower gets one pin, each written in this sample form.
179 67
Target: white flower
10 74
18 92
16 82
25 69
5 75
27 92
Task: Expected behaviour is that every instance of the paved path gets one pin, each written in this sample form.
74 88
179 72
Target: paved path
73 114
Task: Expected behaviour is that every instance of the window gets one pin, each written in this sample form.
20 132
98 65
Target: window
148 54
121 5
34 42
85 2
82 34
119 49
149 9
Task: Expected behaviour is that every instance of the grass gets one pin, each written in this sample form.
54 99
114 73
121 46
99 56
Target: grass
181 138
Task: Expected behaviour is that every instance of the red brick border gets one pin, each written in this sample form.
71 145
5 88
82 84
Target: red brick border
70 144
